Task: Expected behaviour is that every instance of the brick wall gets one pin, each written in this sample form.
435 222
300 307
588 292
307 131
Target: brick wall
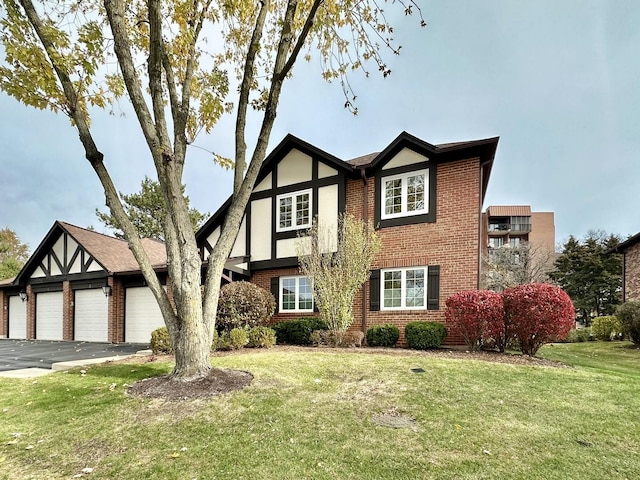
452 242
632 273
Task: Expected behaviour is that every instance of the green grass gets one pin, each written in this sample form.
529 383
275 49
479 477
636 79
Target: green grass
309 415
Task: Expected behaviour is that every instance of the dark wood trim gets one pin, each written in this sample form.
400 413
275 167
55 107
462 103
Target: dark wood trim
433 287
274 263
49 287
309 184
69 276
88 284
374 291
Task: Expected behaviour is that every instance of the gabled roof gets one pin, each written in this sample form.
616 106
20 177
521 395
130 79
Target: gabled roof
111 253
288 143
485 149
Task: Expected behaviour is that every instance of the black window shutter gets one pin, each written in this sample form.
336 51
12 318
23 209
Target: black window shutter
374 291
433 287
275 290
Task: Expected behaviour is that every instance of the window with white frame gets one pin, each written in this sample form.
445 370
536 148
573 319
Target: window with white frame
405 194
404 288
294 211
296 294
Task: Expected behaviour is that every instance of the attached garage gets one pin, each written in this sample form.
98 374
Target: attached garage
91 316
142 315
17 318
49 316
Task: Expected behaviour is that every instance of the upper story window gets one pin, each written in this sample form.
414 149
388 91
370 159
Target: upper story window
496 242
294 210
296 294
405 194
404 288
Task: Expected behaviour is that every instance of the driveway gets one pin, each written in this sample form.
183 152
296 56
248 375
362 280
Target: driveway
20 354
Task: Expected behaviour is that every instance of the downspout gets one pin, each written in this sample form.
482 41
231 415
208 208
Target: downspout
480 222
365 217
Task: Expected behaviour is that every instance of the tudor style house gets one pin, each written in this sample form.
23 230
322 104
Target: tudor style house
424 200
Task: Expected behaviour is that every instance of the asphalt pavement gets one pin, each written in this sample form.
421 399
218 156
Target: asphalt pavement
22 354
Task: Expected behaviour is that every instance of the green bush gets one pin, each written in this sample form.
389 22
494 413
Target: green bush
298 331
160 341
244 304
606 327
629 315
234 339
424 335
579 335
214 341
383 335
261 337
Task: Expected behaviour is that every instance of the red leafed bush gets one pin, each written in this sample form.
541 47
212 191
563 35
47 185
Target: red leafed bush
477 314
537 313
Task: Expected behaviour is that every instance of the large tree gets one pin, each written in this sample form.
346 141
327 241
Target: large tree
60 55
13 253
147 211
590 275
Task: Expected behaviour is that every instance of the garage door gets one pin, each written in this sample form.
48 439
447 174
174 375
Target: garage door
49 316
142 315
91 316
17 318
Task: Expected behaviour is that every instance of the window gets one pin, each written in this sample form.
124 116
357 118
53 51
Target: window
405 194
294 211
514 242
296 294
496 242
404 288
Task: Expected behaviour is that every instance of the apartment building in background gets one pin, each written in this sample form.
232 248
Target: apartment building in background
521 231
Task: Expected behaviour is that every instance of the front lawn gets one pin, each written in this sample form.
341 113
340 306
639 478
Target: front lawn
332 414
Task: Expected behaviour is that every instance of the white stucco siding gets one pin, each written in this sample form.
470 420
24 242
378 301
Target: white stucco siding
58 249
325 170
38 273
265 184
295 168
212 240
287 247
328 216
261 229
76 267
405 157
240 245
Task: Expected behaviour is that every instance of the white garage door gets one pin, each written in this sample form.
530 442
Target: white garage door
91 316
142 315
17 318
49 316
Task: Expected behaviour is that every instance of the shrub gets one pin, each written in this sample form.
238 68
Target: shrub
234 339
537 313
424 335
261 337
160 341
383 335
606 327
298 331
629 315
577 335
478 315
244 304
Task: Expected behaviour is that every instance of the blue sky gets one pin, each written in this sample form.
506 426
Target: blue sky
558 81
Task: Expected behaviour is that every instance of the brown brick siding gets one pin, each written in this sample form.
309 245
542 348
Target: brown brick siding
632 273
